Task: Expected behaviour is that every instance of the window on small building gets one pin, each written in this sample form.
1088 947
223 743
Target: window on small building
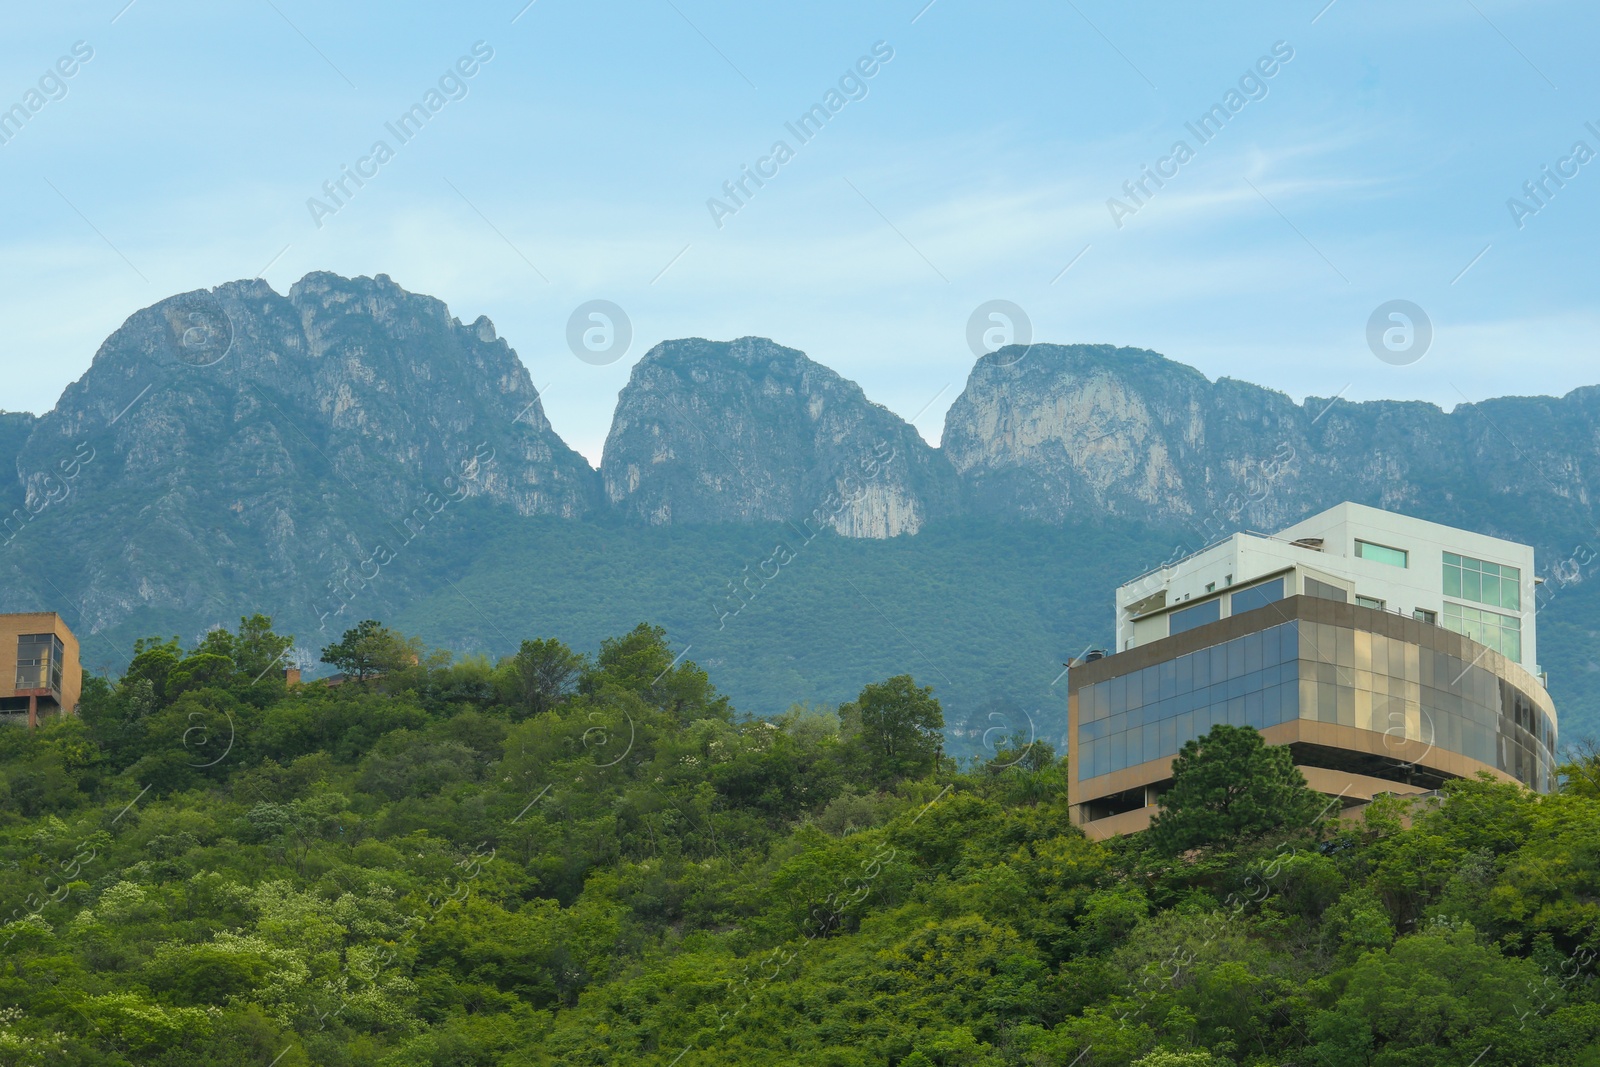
1424 615
1256 596
38 662
1198 615
1369 602
1325 591
1394 557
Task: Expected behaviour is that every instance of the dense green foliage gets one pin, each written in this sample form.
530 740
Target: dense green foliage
1226 785
465 863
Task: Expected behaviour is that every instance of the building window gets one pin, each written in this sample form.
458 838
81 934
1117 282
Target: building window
1150 713
1198 615
1503 633
1256 596
1369 602
39 662
1325 591
1479 580
1424 615
1394 557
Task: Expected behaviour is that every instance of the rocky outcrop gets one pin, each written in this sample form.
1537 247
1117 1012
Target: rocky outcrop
239 446
15 426
748 430
1054 431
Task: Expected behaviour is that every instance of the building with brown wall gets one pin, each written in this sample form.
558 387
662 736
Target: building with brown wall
1314 654
39 672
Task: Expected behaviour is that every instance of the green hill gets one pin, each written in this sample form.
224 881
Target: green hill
453 866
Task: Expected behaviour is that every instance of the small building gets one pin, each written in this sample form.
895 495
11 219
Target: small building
1390 653
39 671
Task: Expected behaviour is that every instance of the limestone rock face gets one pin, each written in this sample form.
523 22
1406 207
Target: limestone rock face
1057 431
748 430
240 440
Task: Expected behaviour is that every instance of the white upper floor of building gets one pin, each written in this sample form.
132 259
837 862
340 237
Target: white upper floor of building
1476 585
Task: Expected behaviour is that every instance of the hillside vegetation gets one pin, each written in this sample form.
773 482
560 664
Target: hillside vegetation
560 859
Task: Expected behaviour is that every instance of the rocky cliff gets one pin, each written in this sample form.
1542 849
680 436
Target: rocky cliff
237 446
1054 431
748 430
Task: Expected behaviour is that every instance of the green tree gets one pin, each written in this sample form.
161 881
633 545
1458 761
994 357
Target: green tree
372 648
893 729
1163 1057
153 660
1435 999
546 672
1580 770
257 649
1230 786
641 662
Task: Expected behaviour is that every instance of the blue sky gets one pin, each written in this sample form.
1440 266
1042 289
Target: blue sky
578 165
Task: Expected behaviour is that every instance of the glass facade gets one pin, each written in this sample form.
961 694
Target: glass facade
1149 714
1482 582
1394 557
1318 672
39 662
1324 590
1257 596
1198 615
1503 633
1373 682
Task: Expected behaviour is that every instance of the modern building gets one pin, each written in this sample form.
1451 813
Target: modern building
1391 654
39 672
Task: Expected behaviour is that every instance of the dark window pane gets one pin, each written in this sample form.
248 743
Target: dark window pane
1272 705
1256 596
1195 615
1252 653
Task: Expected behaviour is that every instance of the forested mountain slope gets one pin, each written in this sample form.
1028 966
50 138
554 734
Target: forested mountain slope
556 860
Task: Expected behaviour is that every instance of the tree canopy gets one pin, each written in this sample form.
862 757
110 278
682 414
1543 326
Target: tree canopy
371 648
1230 786
427 870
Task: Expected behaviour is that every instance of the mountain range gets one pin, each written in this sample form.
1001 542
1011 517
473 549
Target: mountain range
352 450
